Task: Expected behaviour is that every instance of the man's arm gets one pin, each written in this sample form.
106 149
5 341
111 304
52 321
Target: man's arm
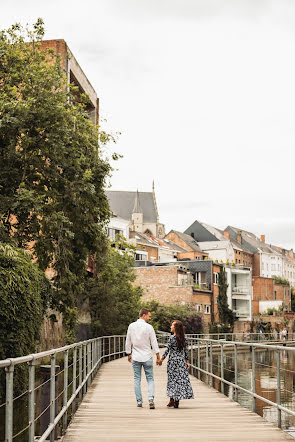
128 344
154 343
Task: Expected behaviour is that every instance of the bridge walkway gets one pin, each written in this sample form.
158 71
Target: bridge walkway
109 413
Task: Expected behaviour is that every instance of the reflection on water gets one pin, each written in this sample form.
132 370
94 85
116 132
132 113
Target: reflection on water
265 380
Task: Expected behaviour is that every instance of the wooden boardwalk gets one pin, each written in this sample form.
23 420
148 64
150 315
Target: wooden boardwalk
109 413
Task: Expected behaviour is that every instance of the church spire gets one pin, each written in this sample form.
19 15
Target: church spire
137 208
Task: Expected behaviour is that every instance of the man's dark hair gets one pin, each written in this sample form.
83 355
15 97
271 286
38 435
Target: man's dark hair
143 311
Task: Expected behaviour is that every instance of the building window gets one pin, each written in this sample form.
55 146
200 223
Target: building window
207 309
113 232
199 307
215 278
275 295
216 300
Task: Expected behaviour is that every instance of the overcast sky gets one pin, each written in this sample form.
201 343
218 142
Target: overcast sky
203 92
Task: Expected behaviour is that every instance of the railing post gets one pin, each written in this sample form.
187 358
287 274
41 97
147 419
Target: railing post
236 370
52 395
84 367
253 379
9 404
199 359
192 353
279 388
65 393
207 363
103 347
109 349
31 398
74 377
211 364
88 347
119 346
80 370
221 368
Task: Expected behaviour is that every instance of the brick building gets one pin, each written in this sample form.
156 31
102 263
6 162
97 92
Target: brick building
189 244
173 284
267 294
75 75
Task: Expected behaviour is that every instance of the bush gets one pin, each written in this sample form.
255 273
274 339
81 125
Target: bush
24 295
164 315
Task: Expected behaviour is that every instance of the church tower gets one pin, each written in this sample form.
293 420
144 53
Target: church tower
137 215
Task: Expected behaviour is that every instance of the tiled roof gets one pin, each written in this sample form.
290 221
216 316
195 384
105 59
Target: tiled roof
191 242
122 203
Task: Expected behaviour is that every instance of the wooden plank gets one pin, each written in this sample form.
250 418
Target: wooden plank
109 413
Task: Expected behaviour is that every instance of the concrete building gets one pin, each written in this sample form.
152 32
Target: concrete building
239 291
75 75
231 250
221 251
118 226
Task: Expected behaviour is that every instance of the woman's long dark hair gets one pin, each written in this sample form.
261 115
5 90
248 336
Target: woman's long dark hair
179 334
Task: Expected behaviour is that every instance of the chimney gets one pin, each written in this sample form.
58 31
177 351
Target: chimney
262 238
226 234
239 236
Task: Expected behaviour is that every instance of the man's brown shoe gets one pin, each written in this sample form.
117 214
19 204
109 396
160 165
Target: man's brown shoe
170 403
176 403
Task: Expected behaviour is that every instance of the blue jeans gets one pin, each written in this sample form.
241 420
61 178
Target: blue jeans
149 374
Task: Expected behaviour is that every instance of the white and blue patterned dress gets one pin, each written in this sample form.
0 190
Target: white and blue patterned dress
178 385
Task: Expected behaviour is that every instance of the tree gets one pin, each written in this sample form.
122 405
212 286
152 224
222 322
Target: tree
226 315
24 294
114 300
52 170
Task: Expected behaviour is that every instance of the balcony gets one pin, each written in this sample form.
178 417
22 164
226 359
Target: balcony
240 290
241 314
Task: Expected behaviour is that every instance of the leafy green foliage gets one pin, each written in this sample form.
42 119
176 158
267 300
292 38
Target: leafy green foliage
226 315
24 295
280 281
114 300
164 315
52 171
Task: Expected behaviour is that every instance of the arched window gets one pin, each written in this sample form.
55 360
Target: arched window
147 232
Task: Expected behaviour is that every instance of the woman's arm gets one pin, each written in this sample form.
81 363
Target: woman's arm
167 350
186 355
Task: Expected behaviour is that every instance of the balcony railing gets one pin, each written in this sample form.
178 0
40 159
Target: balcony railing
241 314
240 290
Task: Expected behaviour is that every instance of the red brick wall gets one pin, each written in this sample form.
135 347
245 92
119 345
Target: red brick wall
256 265
263 289
160 284
175 238
215 290
190 255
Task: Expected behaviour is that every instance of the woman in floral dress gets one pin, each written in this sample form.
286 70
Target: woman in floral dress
178 386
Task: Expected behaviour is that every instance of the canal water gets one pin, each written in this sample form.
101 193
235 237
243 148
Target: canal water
266 381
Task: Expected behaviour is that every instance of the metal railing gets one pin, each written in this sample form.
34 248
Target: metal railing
80 362
244 337
202 349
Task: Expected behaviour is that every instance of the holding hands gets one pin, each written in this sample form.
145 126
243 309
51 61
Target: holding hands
159 361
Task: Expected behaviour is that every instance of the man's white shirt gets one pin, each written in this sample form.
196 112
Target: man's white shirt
140 338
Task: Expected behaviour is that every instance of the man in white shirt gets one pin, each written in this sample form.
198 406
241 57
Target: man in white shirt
140 338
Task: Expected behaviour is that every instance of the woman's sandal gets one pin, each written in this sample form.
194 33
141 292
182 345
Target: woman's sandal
176 403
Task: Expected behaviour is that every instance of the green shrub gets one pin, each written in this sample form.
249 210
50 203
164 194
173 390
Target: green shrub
164 315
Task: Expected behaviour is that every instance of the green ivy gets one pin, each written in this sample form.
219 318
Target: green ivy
24 295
